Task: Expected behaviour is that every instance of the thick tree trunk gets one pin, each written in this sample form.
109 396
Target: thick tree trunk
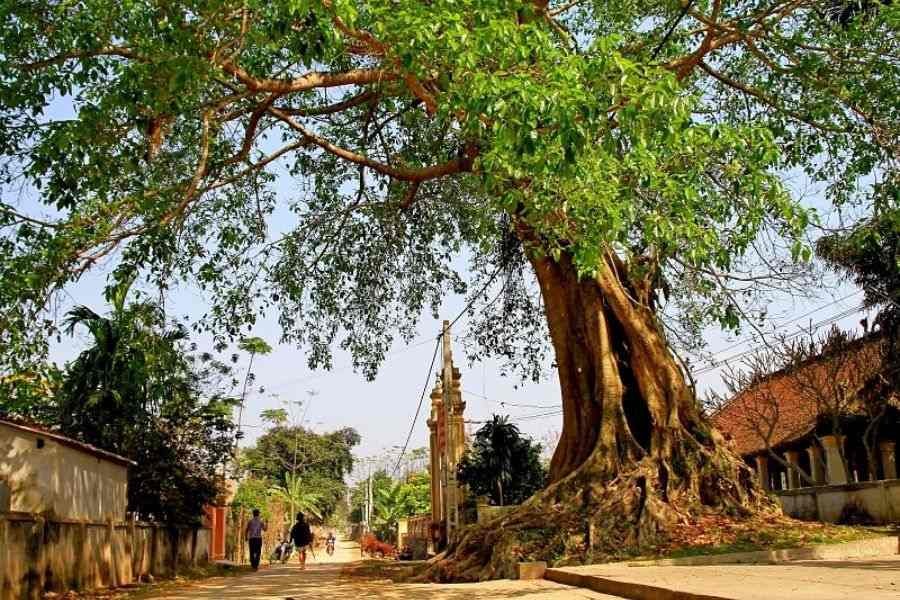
635 456
625 400
624 396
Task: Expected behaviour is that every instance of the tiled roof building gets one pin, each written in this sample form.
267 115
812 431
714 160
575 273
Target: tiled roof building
792 414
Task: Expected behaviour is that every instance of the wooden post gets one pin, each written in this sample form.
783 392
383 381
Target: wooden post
81 554
39 533
175 540
111 544
137 563
240 538
154 550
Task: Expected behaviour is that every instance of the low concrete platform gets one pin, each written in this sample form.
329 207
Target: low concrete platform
873 578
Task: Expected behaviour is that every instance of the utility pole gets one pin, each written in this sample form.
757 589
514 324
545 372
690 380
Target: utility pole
371 496
367 504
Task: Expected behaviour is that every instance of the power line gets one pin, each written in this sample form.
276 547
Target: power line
503 403
299 380
434 357
749 351
815 327
476 296
415 344
412 426
786 323
515 404
542 415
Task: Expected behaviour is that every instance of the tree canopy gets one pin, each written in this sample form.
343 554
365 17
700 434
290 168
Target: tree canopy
154 132
329 162
140 392
302 462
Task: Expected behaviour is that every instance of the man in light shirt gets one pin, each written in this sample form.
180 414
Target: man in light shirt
255 528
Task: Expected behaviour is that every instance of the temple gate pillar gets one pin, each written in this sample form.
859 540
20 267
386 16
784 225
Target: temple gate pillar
434 439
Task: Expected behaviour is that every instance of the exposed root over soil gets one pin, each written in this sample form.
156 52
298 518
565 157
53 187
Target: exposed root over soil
585 518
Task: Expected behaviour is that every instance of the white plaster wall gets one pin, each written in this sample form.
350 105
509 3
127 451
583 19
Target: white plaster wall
59 480
881 499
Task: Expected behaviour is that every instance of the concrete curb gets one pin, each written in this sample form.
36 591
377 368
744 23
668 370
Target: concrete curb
878 546
622 589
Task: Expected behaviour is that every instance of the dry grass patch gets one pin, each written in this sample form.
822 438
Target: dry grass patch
717 534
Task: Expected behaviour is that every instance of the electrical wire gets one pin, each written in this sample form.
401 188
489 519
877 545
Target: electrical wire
815 327
785 324
412 426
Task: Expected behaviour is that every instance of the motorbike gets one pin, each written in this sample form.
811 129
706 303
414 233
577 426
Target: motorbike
282 552
329 546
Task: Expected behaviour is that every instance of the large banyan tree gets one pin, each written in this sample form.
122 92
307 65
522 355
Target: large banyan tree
328 161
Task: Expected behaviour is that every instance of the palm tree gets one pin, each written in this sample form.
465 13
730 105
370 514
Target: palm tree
500 436
294 495
137 392
121 371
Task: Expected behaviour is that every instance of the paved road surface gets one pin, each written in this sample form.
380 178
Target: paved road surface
322 580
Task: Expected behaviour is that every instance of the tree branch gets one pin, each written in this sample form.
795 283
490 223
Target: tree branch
457 165
309 81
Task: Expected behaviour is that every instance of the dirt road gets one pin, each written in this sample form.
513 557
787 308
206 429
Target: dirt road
322 580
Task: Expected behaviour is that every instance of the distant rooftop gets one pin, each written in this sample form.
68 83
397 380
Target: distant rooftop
36 429
780 401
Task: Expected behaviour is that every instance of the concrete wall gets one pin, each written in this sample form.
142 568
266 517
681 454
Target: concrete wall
415 533
880 499
38 556
59 481
486 512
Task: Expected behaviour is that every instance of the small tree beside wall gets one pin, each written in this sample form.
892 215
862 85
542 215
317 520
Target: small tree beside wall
502 464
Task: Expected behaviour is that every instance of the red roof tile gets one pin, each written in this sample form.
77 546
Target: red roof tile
785 406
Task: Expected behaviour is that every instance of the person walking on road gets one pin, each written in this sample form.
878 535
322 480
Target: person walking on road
255 528
302 537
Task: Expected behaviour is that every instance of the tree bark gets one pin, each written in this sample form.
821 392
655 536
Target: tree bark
870 437
624 396
635 457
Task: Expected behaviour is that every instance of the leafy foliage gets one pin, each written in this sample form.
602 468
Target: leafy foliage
253 493
305 465
416 131
297 497
501 464
393 500
137 392
30 394
869 255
